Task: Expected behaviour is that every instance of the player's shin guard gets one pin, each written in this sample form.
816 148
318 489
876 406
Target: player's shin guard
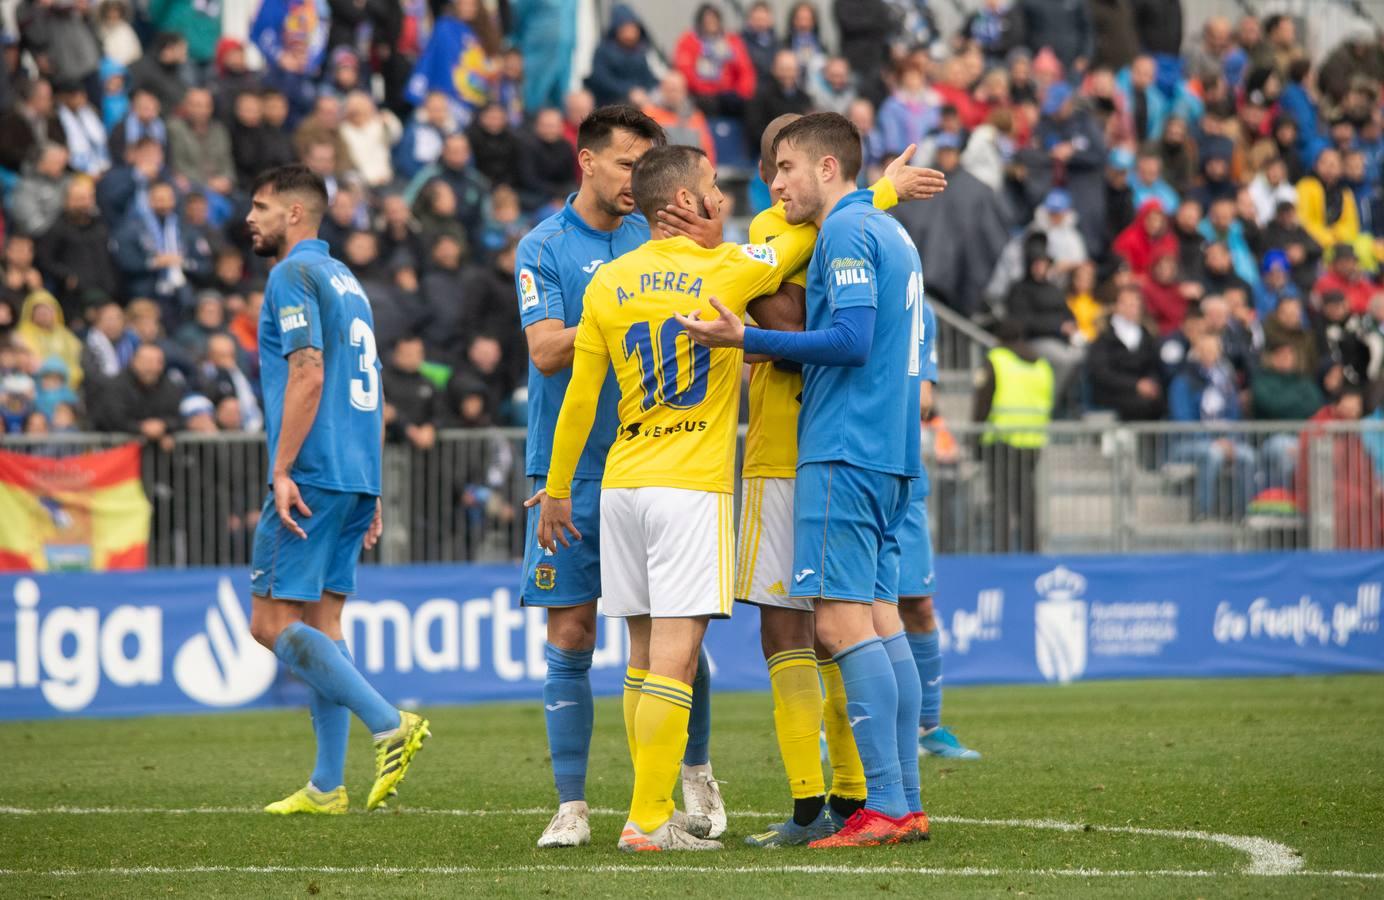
847 772
568 713
906 729
634 687
798 719
927 656
331 724
698 751
314 658
661 734
872 703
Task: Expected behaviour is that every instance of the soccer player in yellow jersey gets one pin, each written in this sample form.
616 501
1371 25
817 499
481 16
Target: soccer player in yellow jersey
666 513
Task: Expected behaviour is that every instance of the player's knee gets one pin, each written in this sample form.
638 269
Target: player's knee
784 629
917 614
266 628
841 624
572 628
885 617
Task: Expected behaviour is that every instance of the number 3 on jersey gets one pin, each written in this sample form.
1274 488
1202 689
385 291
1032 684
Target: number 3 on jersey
660 369
365 391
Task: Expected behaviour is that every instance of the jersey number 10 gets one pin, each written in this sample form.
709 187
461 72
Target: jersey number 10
660 373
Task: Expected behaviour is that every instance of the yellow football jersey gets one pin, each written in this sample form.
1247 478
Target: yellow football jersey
771 442
679 402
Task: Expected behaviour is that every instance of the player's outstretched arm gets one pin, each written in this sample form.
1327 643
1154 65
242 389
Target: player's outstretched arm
302 396
908 182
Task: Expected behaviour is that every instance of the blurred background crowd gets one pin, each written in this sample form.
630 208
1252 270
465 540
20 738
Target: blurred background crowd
1180 216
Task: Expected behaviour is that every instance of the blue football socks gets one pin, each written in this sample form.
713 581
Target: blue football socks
331 723
698 752
568 712
314 658
906 721
872 705
927 656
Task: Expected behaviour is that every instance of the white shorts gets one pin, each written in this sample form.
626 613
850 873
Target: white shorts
666 552
764 556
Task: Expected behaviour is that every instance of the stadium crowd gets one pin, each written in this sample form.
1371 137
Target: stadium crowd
1185 231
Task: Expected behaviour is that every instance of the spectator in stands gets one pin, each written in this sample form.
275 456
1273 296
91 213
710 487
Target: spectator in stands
119 42
423 136
1287 326
52 388
198 414
780 92
110 344
804 37
866 28
449 313
400 234
1115 41
833 89
150 251
115 99
1164 293
160 69
682 120
197 23
1122 363
873 155
208 318
61 39
1222 227
1148 238
413 406
1304 253
142 400
1207 57
1147 182
911 113
28 125
1279 388
1357 497
83 131
1326 206
547 163
1087 311
1204 391
495 146
469 187
761 43
575 108
1072 151
436 213
75 253
1274 283
1342 352
143 120
1270 188
199 147
997 27
621 63
1179 154
19 279
232 77
126 187
37 199
1191 245
1063 26
43 333
369 134
1119 197
720 76
1344 276
201 241
222 377
1041 307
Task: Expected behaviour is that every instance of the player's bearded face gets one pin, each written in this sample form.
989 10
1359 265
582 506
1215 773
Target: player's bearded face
268 224
797 185
610 171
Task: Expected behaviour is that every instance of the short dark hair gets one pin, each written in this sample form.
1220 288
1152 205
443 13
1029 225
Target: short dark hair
597 129
660 172
825 134
295 178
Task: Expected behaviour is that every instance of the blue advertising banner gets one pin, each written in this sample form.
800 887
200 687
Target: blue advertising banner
166 641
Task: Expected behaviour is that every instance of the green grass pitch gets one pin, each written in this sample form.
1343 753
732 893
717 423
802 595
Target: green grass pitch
1142 789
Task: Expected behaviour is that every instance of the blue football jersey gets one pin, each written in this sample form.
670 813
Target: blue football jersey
929 373
312 300
555 262
866 415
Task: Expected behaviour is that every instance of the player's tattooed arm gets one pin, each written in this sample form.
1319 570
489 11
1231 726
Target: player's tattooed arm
705 230
302 395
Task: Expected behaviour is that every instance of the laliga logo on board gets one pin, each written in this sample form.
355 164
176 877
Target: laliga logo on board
1059 624
224 666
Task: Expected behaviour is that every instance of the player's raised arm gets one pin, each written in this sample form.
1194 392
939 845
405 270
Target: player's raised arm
903 182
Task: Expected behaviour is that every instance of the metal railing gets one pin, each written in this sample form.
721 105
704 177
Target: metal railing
1095 487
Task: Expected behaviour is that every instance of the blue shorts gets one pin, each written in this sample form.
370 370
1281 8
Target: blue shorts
570 576
845 532
287 567
916 575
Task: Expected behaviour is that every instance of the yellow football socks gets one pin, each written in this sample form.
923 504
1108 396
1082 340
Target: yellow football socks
660 728
847 772
634 683
798 719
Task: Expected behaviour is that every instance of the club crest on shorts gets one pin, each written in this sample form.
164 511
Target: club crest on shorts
545 577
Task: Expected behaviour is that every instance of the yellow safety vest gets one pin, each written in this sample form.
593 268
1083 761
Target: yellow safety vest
1023 400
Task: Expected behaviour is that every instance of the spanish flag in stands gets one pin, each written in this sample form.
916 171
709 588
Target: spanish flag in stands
75 513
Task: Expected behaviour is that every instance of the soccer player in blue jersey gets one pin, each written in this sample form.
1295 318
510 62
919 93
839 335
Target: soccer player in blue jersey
321 378
918 583
858 451
555 262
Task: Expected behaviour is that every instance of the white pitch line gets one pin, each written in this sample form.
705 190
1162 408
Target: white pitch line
603 869
1266 857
